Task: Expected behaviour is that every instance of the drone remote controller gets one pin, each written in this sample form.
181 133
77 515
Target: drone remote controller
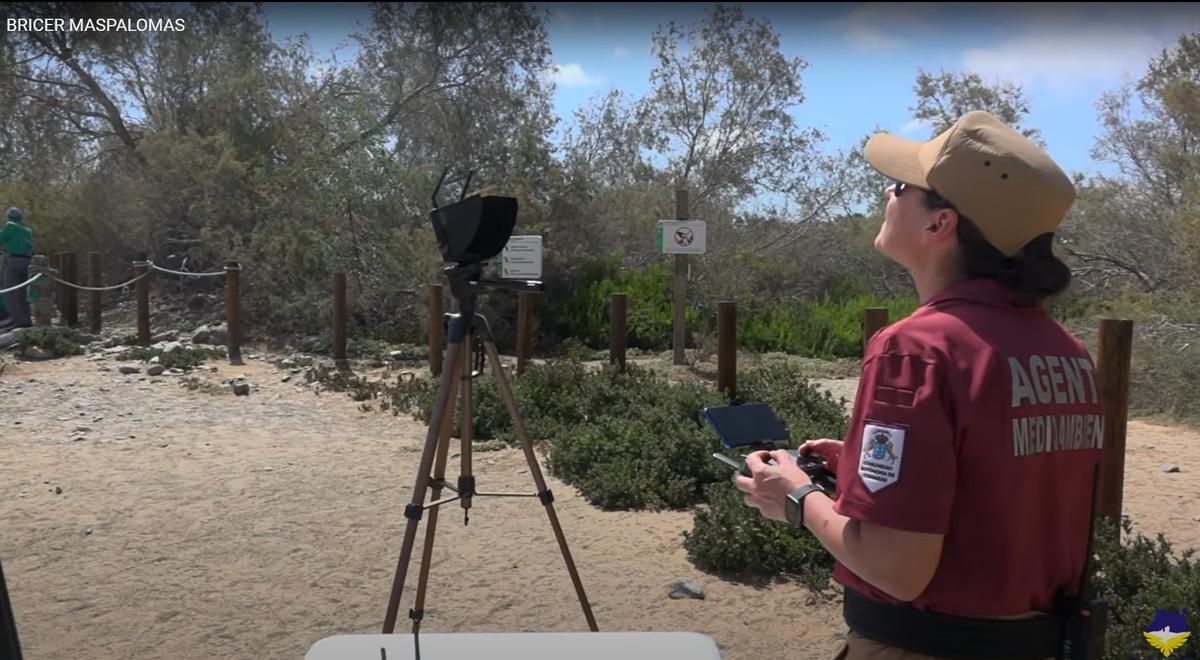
813 466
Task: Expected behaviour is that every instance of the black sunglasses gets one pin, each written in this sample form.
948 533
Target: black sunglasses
932 199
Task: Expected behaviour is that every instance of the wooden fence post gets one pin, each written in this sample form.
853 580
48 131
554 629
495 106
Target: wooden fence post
96 280
141 266
71 294
339 318
874 320
727 348
524 330
1112 375
233 312
617 332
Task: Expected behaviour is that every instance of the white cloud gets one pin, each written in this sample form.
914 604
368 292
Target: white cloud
863 37
1066 45
570 75
874 26
1063 58
916 125
620 52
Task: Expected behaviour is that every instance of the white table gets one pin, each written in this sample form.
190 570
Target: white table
520 646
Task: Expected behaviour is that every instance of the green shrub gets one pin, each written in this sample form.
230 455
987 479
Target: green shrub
808 411
729 536
489 416
1137 576
583 311
769 320
551 396
176 358
49 340
626 440
633 440
337 380
620 463
831 327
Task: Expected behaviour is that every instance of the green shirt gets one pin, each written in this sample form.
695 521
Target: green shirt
16 239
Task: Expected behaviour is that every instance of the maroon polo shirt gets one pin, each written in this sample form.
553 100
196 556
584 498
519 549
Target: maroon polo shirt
981 421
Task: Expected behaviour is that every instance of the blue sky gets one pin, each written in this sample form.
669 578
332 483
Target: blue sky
862 57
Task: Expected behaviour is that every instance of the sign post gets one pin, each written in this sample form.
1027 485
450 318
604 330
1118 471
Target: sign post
681 237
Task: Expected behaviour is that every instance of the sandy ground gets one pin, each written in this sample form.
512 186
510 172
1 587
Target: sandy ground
194 525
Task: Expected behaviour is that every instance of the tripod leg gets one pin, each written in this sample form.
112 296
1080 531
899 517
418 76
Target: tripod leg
534 469
439 473
442 406
466 479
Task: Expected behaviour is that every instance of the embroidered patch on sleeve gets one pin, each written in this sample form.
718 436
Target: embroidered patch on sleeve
879 465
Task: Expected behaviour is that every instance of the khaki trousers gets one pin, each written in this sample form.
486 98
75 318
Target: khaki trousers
858 647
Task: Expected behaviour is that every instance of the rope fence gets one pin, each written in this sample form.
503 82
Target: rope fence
122 285
21 285
61 279
185 273
97 288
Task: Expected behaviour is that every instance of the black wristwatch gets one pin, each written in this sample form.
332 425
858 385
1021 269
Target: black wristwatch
794 510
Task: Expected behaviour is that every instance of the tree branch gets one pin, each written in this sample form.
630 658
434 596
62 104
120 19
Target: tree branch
1131 269
112 114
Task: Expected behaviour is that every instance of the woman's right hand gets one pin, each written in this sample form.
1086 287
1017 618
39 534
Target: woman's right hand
828 449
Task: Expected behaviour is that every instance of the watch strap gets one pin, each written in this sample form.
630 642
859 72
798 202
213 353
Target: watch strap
798 496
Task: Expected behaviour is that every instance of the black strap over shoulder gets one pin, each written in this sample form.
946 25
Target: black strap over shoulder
955 637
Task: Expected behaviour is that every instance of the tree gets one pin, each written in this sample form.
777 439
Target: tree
465 73
944 97
1141 226
605 146
720 107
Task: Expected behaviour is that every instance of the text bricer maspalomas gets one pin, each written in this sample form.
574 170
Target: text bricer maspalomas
95 24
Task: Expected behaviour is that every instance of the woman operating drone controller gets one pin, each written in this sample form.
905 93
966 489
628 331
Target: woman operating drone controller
965 480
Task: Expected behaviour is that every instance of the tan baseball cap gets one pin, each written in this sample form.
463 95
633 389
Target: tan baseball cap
1007 185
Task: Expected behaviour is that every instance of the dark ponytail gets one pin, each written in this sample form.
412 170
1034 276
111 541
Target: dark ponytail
1033 273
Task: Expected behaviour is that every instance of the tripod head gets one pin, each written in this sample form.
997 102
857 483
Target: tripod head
469 232
466 283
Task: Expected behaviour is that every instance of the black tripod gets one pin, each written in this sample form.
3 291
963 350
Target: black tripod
466 328
10 647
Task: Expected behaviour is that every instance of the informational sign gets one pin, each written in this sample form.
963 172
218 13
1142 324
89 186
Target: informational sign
521 258
681 236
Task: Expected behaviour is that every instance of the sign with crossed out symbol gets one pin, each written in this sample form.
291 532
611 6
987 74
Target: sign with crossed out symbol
681 236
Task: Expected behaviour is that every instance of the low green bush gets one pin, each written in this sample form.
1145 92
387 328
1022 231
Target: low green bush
808 411
176 358
638 444
48 339
583 311
1138 575
828 328
729 536
490 418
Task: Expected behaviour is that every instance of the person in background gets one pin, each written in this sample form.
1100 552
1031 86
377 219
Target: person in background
16 242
